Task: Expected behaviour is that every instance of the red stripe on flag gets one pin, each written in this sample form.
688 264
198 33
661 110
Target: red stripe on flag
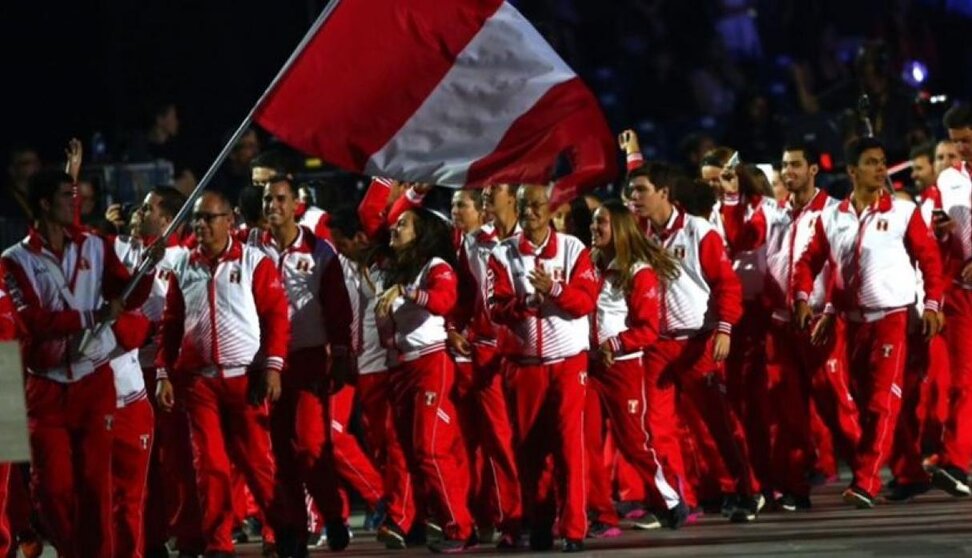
366 71
566 120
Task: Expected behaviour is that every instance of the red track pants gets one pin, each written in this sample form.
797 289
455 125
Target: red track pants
428 429
71 432
130 456
685 368
746 385
548 408
798 373
375 396
224 423
876 357
353 466
958 334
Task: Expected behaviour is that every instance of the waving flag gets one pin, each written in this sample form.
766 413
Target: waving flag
456 93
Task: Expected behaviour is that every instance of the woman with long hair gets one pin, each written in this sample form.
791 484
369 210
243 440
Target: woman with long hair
632 271
421 287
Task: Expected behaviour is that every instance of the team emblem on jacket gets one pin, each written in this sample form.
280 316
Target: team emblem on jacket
430 397
583 378
144 440
109 422
882 224
83 264
886 350
303 266
234 276
632 406
557 274
679 252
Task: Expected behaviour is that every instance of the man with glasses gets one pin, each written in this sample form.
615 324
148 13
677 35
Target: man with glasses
226 326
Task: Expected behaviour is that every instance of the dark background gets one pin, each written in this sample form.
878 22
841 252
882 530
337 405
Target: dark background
72 69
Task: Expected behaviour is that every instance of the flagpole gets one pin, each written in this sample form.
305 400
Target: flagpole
147 264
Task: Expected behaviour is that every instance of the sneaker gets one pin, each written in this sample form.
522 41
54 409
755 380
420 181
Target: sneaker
338 534
858 497
601 530
240 536
391 535
374 518
417 535
729 503
486 535
434 532
950 479
905 492
676 517
747 509
792 503
452 546
508 541
572 545
541 539
647 523
631 510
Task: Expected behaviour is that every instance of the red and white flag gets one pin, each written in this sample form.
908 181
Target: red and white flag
455 93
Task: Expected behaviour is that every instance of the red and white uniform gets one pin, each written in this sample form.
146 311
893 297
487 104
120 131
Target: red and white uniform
70 395
8 332
871 255
628 322
222 318
316 220
483 409
373 211
422 381
550 336
955 187
742 223
704 299
796 370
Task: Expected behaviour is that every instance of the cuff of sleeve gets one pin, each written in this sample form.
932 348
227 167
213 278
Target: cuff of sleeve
274 363
556 290
933 305
161 373
801 296
421 296
829 309
414 196
724 327
615 343
635 160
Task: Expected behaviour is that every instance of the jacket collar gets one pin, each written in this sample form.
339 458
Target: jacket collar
817 203
36 242
675 222
233 251
301 243
883 204
546 251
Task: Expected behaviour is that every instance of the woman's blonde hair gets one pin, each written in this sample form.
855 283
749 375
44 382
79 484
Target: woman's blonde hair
632 246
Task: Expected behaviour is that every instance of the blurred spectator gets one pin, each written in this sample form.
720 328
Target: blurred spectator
158 141
22 163
922 166
755 132
715 80
693 147
946 155
737 27
235 176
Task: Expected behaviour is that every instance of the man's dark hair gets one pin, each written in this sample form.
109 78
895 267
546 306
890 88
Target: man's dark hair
958 117
660 174
43 186
926 149
857 147
251 205
810 152
282 162
345 221
694 196
172 200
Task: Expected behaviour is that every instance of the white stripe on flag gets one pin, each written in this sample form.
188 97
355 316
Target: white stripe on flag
499 76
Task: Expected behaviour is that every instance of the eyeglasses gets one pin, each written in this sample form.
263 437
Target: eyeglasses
207 217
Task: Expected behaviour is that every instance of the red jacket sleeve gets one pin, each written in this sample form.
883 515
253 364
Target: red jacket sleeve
273 309
634 161
321 229
171 329
505 307
8 319
722 280
644 313
810 264
578 295
438 295
38 322
336 306
409 200
371 210
753 234
131 329
921 245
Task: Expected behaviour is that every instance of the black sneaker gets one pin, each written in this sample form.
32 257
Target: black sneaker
572 545
452 546
509 540
541 540
392 536
905 492
374 518
792 503
675 517
950 479
338 534
601 530
747 509
858 497
240 536
729 503
648 522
